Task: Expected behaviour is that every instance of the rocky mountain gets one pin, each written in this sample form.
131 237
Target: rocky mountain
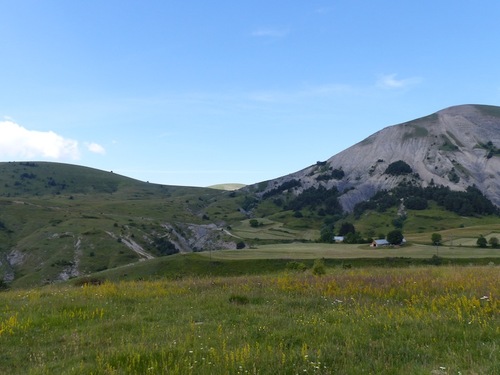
456 147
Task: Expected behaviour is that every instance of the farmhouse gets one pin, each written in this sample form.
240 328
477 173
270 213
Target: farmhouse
338 238
379 243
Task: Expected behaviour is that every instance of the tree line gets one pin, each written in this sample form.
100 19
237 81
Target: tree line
465 203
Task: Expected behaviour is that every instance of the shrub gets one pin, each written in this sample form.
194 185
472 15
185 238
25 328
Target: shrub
248 203
319 267
88 281
3 285
399 221
164 246
238 299
280 189
494 242
435 260
296 266
337 174
254 223
453 176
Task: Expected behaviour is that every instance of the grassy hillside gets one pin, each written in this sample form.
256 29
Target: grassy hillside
41 178
58 220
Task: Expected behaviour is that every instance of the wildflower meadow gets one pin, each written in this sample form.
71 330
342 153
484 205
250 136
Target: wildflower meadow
421 320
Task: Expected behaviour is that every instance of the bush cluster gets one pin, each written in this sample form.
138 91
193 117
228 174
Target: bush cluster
164 246
398 168
466 203
281 188
319 198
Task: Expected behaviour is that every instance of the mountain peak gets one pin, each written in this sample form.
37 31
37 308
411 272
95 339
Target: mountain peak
456 147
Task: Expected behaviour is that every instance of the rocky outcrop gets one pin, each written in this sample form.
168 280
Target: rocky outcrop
456 147
189 237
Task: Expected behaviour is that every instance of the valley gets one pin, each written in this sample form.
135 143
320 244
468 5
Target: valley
434 175
103 274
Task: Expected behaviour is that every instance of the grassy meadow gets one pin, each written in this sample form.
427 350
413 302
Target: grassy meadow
416 320
298 250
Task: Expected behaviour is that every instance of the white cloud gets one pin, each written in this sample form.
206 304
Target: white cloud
19 142
96 148
389 81
270 33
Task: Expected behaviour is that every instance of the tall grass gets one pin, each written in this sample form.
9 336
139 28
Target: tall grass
440 320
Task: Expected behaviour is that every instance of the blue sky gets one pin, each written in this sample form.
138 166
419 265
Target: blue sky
204 92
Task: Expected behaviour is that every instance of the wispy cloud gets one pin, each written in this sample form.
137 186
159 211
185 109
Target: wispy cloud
389 81
19 142
96 148
323 10
270 33
301 93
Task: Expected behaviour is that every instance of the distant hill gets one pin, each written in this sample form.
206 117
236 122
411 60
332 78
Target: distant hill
43 178
457 147
227 187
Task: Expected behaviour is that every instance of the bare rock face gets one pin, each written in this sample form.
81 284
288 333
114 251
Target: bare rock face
456 147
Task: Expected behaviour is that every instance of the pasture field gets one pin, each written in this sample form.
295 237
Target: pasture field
272 230
417 320
300 250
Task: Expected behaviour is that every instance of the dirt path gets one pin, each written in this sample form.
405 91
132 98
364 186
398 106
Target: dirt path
134 246
230 234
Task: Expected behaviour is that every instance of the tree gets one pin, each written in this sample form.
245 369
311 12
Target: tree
353 238
494 242
164 246
436 239
395 237
326 234
398 168
481 241
416 203
399 221
254 223
3 285
346 228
